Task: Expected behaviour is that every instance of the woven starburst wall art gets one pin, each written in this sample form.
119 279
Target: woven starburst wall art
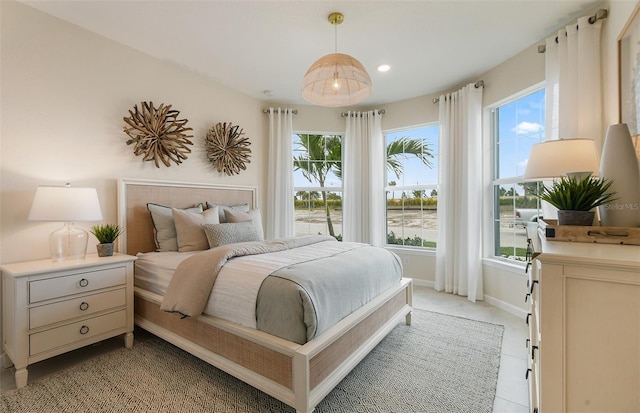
157 134
228 148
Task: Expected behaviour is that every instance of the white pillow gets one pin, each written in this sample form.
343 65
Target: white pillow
253 216
190 234
230 233
164 229
222 208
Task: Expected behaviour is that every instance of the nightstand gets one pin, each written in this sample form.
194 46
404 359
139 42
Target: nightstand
50 308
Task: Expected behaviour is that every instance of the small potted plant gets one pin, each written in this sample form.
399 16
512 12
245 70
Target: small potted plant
106 235
575 197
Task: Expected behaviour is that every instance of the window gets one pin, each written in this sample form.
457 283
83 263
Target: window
412 186
517 126
317 181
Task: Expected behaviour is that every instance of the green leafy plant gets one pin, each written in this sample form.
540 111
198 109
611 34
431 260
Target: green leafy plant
578 194
106 233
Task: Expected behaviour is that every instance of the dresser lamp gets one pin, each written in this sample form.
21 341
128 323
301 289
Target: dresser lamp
563 157
68 205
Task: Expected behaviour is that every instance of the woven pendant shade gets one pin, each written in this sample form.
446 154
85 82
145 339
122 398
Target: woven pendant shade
336 80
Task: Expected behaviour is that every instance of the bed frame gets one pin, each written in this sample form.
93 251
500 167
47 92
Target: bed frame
298 375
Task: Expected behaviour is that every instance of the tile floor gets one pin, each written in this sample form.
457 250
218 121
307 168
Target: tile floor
511 393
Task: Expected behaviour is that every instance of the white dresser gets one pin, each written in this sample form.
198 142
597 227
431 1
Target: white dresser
51 307
584 328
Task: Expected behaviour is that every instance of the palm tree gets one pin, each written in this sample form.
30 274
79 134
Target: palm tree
405 148
322 154
393 193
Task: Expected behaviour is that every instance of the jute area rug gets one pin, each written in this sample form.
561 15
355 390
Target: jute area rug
438 364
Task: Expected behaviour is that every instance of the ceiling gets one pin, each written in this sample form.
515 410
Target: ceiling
259 46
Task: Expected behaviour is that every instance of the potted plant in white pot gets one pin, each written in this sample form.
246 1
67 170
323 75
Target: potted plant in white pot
106 235
575 197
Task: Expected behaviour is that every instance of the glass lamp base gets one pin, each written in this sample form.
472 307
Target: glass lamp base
68 243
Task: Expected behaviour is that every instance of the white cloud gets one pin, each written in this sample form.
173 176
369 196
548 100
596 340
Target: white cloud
527 128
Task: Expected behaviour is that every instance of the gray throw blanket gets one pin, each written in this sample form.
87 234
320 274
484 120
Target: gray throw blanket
301 301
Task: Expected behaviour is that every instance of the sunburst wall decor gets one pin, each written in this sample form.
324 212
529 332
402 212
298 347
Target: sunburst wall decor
228 148
158 134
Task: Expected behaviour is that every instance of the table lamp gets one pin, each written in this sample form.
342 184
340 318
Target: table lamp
563 157
68 205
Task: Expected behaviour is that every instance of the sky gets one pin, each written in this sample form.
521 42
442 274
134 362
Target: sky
520 126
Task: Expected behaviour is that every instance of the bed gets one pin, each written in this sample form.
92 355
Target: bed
300 375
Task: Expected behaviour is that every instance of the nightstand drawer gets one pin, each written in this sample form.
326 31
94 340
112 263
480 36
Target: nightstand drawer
81 282
77 307
71 333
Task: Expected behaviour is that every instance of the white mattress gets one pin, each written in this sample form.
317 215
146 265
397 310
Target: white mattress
153 270
233 296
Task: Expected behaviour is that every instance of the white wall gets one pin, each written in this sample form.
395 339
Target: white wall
65 92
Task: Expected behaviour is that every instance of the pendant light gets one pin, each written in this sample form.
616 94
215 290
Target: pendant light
336 79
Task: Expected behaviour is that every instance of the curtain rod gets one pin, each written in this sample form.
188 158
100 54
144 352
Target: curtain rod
478 84
294 111
600 15
345 114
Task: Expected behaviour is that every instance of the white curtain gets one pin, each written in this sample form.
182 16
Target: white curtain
573 82
363 179
280 214
458 253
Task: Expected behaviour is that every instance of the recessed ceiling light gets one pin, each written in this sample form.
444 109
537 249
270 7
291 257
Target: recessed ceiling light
384 68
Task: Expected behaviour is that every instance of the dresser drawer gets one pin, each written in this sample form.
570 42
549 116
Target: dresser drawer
76 307
81 282
81 330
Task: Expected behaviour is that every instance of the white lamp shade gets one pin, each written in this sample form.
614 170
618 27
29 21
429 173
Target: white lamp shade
65 204
336 80
553 159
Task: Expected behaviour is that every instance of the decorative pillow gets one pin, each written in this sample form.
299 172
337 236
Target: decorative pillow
190 234
230 233
222 208
253 216
164 229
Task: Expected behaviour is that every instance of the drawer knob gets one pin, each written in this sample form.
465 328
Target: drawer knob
84 306
84 282
84 330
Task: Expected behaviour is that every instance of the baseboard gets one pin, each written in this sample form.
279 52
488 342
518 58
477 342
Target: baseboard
423 283
503 305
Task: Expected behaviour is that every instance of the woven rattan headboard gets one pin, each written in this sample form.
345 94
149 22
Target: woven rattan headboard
134 194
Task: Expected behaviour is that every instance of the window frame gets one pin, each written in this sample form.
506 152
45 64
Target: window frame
402 188
491 171
328 189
